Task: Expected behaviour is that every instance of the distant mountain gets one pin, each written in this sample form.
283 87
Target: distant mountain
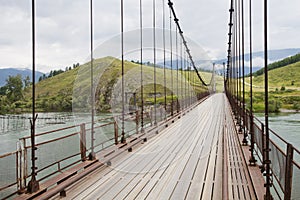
4 73
257 60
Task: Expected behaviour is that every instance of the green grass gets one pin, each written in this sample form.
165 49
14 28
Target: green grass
287 76
284 88
72 88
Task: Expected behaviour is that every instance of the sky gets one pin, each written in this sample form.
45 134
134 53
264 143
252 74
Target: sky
63 30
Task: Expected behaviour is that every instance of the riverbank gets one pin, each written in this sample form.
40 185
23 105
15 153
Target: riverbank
288 111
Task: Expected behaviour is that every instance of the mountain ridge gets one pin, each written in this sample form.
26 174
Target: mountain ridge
257 60
5 72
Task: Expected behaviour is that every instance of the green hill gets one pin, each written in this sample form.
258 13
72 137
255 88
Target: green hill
72 88
284 88
280 63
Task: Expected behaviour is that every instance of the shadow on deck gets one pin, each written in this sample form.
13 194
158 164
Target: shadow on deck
199 156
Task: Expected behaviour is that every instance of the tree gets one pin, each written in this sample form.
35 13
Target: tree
14 86
3 90
4 105
26 82
50 74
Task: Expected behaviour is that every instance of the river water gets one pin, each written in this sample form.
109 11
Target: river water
287 125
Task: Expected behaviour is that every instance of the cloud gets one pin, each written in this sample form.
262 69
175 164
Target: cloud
63 29
256 62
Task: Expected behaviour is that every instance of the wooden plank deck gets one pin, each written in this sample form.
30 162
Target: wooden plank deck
239 182
184 161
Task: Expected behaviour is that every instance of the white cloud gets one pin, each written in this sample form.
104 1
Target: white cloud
63 30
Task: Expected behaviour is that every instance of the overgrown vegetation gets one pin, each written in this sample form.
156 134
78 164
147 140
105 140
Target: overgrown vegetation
56 72
281 63
284 88
69 89
11 94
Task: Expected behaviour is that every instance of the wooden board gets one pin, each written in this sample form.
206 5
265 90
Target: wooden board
184 161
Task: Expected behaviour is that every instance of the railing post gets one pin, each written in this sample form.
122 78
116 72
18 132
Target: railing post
116 132
25 162
151 116
22 166
21 180
161 113
136 121
263 140
288 172
252 159
245 141
83 142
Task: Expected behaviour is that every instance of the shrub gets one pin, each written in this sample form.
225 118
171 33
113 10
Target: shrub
293 83
296 106
274 105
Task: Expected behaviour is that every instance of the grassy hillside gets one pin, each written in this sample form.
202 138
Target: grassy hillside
287 76
280 63
72 88
284 88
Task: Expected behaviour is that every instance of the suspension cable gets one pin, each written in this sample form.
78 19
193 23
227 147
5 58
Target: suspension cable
185 42
252 159
92 155
250 54
164 47
171 52
141 65
33 184
245 141
154 59
189 85
240 66
185 82
122 57
267 161
176 44
33 92
229 51
181 66
236 59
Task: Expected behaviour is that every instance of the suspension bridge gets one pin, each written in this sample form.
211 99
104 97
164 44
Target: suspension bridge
171 133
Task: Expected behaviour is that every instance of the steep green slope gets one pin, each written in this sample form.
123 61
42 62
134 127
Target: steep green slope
72 89
284 88
288 76
281 63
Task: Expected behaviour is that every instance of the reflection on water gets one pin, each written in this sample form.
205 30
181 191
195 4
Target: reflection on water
14 123
287 125
17 126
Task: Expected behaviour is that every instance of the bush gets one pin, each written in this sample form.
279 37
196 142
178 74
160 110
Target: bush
274 105
293 83
296 106
282 88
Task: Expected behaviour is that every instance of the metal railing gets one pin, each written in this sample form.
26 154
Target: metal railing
10 123
285 158
58 150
